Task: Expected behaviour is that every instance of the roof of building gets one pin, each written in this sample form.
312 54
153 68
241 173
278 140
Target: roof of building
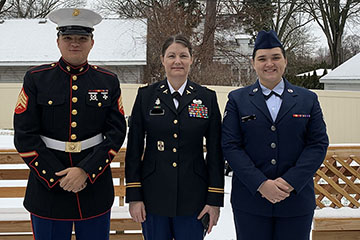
349 71
29 42
319 72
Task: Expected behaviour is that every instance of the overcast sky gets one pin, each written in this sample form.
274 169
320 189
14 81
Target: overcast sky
315 29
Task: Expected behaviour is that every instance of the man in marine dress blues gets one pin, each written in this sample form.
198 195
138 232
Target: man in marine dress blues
69 124
274 138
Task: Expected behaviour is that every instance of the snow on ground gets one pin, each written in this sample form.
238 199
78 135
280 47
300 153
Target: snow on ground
7 139
225 229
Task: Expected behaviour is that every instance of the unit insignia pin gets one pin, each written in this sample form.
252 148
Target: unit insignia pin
165 91
105 95
162 86
290 90
188 92
160 146
191 87
255 90
93 96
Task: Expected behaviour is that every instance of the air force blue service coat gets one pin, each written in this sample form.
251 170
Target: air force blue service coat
258 148
70 104
170 174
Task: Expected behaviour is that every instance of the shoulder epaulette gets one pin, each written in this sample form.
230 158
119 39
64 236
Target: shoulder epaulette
209 89
144 85
102 70
43 67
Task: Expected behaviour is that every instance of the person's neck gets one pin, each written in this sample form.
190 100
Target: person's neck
176 83
74 64
270 85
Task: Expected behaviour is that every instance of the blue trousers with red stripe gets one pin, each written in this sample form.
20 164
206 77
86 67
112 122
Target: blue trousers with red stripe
97 228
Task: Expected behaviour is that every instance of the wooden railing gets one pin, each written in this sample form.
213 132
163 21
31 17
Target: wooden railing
337 185
337 182
15 222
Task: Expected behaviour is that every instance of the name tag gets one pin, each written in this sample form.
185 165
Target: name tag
248 118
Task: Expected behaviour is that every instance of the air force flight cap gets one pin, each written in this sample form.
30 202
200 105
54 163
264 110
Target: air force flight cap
75 21
267 40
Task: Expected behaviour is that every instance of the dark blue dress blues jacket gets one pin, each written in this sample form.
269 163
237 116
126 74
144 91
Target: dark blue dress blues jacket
257 148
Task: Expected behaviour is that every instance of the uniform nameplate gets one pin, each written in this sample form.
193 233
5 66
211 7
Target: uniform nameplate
248 118
157 112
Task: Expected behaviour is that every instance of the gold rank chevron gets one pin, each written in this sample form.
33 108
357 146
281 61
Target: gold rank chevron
134 184
28 154
216 190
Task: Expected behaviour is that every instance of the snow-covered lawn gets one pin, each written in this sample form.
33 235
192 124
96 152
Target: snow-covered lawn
225 229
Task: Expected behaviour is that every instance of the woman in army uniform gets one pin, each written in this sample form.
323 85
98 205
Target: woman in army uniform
170 185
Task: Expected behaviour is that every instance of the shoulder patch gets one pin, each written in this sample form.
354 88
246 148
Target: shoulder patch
22 102
43 67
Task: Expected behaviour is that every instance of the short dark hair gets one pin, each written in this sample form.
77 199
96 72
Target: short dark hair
282 51
176 39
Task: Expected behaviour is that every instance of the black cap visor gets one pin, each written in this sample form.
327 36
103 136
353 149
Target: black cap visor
75 30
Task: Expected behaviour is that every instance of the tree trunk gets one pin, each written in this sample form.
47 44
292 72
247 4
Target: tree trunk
209 30
208 43
2 3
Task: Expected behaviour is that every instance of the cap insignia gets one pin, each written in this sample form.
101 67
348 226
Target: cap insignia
76 12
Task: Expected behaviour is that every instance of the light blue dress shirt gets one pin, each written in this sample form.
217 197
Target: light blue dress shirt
274 102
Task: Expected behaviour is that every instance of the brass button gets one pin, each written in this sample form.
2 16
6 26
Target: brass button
107 161
175 121
99 104
73 137
43 172
74 77
36 164
50 102
68 68
75 87
273 128
74 99
74 112
73 124
94 175
273 145
53 64
100 168
95 67
273 161
52 180
175 135
174 150
174 164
